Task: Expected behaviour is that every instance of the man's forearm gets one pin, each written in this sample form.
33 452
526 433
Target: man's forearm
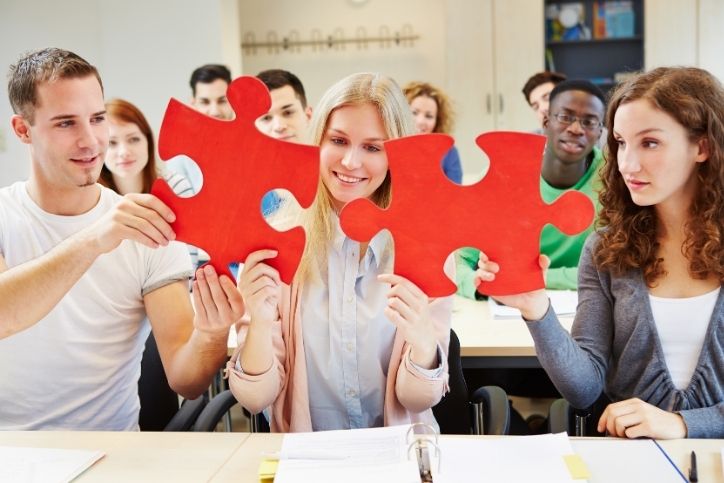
196 362
28 292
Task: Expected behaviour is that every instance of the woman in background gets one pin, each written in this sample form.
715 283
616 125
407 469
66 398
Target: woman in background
433 112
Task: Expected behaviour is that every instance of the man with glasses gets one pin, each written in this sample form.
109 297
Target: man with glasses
571 161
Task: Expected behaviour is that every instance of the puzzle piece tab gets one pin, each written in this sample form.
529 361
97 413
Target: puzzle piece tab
240 165
502 215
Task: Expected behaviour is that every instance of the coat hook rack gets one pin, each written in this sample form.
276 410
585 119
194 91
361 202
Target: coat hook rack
336 40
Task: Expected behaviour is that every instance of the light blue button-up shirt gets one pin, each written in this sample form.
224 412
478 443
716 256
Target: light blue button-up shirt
347 338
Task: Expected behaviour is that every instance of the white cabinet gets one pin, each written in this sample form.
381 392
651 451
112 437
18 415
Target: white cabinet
685 32
493 47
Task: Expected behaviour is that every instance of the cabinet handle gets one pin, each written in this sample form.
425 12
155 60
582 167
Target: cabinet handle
487 103
500 103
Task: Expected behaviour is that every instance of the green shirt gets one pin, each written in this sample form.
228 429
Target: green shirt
563 250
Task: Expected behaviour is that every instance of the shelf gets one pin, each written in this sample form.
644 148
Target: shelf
617 40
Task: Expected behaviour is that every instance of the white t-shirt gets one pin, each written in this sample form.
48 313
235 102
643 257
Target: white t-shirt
682 325
78 367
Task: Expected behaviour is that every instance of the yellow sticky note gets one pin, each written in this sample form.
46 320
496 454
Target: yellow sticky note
267 470
576 467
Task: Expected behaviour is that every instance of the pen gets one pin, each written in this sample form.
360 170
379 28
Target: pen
693 477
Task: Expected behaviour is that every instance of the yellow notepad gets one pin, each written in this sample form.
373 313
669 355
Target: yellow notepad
267 470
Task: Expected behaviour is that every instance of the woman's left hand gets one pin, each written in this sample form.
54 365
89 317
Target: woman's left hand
408 308
634 418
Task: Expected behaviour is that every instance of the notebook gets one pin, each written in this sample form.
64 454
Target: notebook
564 303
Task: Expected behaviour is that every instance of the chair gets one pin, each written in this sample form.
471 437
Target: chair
160 409
487 412
576 421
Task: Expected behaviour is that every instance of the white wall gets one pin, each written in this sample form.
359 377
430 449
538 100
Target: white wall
455 51
318 69
145 50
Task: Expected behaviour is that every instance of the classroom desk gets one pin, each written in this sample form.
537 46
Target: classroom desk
235 457
486 342
136 456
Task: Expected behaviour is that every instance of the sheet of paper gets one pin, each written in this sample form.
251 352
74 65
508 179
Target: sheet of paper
350 456
564 303
44 465
517 458
636 460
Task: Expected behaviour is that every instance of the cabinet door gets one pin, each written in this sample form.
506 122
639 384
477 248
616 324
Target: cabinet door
470 75
711 37
518 53
670 33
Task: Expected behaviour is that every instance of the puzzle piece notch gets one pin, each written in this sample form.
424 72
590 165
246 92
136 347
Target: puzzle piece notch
240 165
430 216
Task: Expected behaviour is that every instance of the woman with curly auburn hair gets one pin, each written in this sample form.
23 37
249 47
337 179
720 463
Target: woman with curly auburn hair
648 329
433 112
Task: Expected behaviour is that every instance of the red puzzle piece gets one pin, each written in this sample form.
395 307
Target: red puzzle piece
239 164
503 214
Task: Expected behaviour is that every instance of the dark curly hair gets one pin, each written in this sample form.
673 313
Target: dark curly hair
695 99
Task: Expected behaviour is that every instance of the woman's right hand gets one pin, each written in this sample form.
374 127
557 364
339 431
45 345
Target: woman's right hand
533 305
260 287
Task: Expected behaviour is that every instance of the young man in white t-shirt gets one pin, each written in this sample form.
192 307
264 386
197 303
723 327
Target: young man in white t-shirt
81 267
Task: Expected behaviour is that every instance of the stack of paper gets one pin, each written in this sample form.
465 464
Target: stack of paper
564 304
360 455
516 458
44 465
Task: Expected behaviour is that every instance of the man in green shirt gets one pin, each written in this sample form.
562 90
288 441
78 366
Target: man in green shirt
571 161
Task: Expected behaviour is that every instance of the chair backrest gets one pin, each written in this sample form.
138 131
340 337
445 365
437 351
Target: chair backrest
159 403
453 412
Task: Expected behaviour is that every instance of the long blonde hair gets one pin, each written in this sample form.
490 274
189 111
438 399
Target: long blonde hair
362 88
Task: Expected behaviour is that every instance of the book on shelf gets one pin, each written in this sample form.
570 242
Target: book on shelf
613 19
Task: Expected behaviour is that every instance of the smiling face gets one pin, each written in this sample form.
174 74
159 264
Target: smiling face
353 162
127 150
424 110
210 99
571 143
69 135
287 119
655 155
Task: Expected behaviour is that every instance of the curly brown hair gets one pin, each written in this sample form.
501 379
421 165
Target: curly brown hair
445 121
695 99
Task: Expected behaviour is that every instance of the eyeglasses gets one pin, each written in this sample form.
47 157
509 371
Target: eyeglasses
589 123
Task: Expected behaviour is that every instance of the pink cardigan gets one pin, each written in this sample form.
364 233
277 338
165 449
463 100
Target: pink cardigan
409 395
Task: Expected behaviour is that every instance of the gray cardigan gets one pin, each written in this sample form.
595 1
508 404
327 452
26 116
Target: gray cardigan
614 347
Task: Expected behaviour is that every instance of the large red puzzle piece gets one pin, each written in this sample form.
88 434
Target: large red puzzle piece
239 164
503 214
